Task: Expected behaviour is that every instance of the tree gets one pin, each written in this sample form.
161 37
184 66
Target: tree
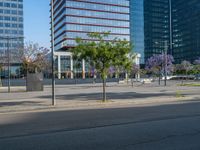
196 68
34 58
158 64
184 67
135 71
103 54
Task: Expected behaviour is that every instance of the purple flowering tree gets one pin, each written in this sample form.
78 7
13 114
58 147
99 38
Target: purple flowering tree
111 71
158 64
184 67
135 70
197 66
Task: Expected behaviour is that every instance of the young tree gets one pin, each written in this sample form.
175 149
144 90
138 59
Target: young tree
102 54
184 67
135 69
196 68
158 64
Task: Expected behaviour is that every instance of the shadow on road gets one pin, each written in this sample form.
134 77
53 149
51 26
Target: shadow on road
24 124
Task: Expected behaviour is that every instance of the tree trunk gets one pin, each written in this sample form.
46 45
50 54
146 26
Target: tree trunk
132 81
104 90
126 76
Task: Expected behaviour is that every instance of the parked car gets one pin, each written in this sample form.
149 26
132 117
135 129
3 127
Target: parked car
183 77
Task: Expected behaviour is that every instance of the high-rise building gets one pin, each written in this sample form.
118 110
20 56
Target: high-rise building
150 27
166 27
186 29
72 19
11 32
156 26
137 26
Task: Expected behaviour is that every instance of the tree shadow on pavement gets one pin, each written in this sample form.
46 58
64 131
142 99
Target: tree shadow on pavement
110 96
20 103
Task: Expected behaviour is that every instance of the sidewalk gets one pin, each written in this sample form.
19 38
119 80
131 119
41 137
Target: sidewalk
32 105
87 97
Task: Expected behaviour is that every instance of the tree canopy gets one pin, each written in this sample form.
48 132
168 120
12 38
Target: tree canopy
102 53
156 63
34 58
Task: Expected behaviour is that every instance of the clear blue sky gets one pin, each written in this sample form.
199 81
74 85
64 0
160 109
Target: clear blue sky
36 22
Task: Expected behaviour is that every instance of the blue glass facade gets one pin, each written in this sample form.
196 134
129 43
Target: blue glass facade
11 27
137 27
186 29
150 26
11 23
78 18
156 26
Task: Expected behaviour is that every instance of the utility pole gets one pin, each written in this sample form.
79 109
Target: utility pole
165 61
52 54
170 29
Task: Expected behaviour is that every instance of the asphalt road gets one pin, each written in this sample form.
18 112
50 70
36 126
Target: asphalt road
166 127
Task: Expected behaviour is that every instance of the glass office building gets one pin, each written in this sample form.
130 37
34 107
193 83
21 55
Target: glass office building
186 29
77 18
74 19
137 27
11 32
150 27
166 23
156 26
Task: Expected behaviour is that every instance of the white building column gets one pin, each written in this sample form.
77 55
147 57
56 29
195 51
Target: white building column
126 76
83 69
138 57
59 67
72 67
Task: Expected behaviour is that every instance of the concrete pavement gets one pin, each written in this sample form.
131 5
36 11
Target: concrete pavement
88 96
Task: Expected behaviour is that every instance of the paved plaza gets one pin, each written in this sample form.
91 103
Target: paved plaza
84 96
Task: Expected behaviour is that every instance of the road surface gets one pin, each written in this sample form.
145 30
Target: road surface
166 127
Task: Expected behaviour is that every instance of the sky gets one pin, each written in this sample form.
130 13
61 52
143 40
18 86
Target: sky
37 22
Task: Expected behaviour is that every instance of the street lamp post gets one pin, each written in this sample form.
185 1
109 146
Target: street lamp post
165 62
8 51
52 54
